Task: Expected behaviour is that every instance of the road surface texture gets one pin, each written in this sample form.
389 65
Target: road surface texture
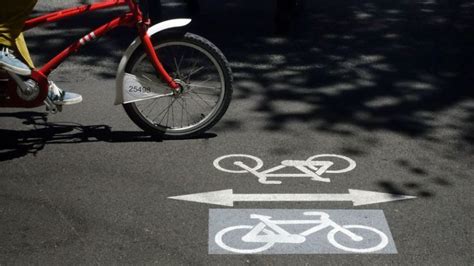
385 83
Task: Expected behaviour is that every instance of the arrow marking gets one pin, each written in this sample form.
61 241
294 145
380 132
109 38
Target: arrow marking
227 197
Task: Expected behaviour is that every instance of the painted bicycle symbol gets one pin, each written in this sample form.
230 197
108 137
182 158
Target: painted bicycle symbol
267 233
313 167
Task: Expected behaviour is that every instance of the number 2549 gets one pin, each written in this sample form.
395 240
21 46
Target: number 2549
139 89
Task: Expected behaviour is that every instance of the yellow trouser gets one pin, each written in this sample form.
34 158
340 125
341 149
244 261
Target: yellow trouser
13 14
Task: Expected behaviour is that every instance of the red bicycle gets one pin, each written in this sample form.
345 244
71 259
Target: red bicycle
173 84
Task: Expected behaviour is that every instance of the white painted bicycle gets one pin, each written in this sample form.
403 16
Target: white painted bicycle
268 232
313 167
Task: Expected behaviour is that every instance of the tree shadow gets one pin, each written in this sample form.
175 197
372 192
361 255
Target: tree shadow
348 68
18 143
374 65
357 68
377 65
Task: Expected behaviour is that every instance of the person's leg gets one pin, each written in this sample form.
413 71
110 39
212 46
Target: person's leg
12 19
13 15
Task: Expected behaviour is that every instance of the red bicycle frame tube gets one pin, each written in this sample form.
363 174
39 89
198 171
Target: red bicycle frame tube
134 17
62 14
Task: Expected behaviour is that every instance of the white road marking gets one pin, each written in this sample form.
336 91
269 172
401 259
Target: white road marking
269 231
227 197
313 167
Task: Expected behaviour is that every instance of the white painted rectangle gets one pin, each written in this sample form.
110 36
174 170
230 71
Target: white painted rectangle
282 231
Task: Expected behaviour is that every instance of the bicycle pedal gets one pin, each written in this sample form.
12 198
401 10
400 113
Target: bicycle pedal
51 107
51 110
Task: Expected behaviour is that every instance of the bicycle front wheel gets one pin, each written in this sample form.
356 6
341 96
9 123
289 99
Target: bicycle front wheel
372 240
351 164
204 76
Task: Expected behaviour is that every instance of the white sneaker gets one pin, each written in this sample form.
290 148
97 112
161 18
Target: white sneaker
9 62
60 97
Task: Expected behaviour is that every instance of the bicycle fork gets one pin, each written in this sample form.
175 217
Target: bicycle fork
283 236
150 51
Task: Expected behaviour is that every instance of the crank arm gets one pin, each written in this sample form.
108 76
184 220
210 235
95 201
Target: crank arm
51 107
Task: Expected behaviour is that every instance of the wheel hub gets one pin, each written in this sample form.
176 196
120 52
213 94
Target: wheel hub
183 88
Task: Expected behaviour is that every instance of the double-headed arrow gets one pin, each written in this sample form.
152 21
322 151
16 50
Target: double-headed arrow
227 197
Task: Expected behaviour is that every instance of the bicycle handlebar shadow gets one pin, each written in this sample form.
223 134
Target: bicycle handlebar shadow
18 143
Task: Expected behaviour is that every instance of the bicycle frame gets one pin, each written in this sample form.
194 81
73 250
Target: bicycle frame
312 167
130 19
303 166
285 237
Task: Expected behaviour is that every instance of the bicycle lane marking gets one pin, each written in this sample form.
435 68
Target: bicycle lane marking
295 231
227 197
312 168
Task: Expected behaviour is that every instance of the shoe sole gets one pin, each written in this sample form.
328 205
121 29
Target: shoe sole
16 70
76 101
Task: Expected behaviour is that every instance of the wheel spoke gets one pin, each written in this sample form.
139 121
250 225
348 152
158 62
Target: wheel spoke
202 99
194 71
194 64
178 65
204 87
198 103
153 106
149 104
165 109
183 105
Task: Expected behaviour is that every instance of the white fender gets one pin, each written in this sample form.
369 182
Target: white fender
173 23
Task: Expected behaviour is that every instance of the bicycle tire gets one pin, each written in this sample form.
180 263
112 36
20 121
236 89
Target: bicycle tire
198 121
350 167
383 240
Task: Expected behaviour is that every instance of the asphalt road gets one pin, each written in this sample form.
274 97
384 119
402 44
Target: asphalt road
385 84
